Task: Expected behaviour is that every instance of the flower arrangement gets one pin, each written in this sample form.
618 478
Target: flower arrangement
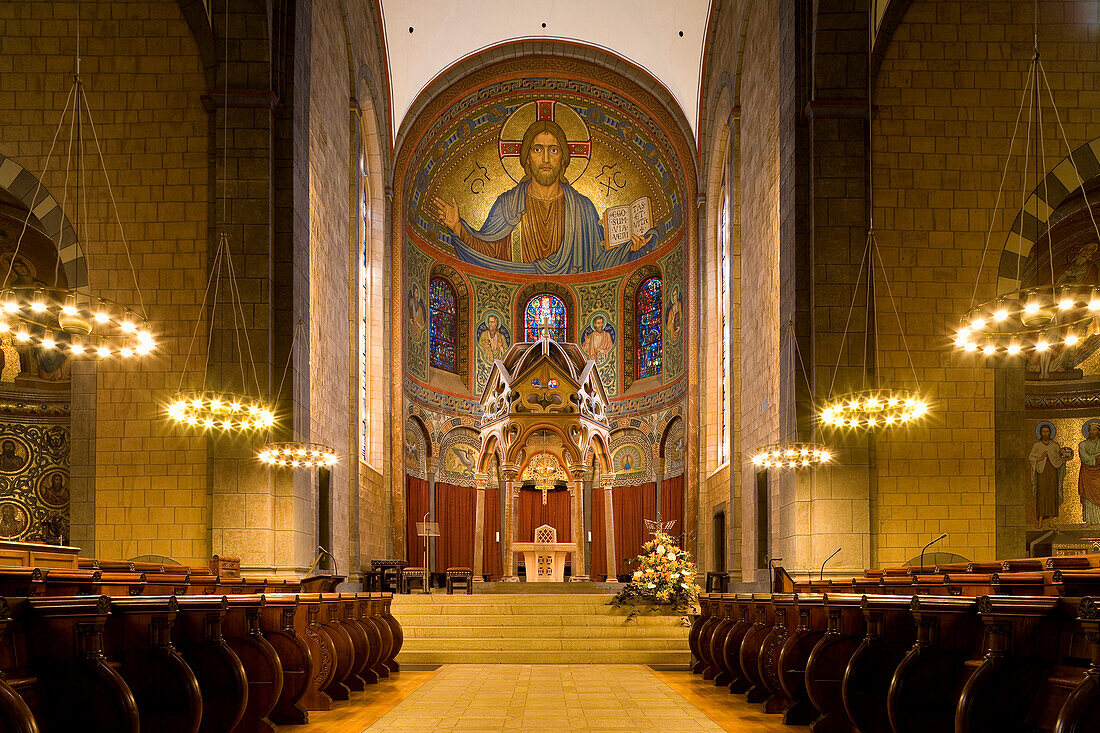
664 574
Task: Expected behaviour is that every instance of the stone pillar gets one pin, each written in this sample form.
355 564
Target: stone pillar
481 480
609 528
658 476
510 487
576 496
433 471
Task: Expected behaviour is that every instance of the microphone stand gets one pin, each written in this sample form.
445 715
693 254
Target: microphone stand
830 557
321 552
929 545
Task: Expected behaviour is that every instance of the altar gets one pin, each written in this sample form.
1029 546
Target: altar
544 558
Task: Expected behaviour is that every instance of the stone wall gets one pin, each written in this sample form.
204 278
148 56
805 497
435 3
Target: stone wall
143 78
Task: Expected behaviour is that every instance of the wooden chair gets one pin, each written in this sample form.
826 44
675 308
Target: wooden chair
411 575
461 576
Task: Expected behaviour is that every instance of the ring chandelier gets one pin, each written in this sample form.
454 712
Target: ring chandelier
791 455
1030 319
1045 317
874 409
220 411
73 321
298 455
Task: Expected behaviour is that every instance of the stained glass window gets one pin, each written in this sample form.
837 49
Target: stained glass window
442 336
724 307
544 307
647 307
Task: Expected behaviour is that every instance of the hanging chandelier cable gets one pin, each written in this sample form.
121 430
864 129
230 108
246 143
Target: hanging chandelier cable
1039 317
798 454
53 317
296 454
873 406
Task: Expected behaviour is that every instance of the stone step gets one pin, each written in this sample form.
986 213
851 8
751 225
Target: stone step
543 632
505 619
588 656
519 645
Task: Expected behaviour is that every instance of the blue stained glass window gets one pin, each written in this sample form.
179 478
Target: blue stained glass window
647 307
544 307
444 324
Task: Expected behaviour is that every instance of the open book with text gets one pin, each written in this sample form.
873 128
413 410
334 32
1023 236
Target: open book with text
620 222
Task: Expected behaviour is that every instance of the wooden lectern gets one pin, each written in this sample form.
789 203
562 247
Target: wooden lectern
545 557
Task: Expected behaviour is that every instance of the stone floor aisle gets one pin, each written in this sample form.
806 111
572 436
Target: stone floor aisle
537 698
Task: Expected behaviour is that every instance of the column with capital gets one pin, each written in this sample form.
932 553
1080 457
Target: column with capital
481 480
510 475
576 496
609 528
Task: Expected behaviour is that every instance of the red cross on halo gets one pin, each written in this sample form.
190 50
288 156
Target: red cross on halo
544 110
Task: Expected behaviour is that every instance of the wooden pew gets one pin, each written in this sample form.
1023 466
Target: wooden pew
322 650
1022 635
722 610
343 661
357 680
198 635
890 634
697 625
15 680
731 651
929 680
1080 712
809 624
263 671
703 643
783 623
18 582
828 661
396 632
763 618
77 688
370 610
353 615
277 619
138 636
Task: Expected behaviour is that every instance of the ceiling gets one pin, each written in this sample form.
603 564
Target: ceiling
665 38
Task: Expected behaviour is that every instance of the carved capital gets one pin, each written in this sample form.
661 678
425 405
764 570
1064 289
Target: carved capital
481 480
607 481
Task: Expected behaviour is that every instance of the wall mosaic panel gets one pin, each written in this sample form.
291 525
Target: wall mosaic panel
416 314
675 326
34 470
601 336
1062 466
459 452
493 330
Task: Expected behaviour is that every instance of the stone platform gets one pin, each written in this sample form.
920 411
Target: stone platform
566 588
534 628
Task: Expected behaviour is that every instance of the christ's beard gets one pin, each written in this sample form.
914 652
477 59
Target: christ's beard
546 177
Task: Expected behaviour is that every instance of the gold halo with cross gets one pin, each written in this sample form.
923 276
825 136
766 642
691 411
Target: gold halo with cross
576 135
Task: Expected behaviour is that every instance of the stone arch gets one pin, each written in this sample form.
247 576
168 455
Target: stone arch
560 291
29 190
1064 180
629 325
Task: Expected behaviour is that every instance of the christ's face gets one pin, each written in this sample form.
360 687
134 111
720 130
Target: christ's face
544 161
1044 434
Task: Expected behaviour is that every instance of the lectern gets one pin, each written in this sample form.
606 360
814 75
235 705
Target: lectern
545 557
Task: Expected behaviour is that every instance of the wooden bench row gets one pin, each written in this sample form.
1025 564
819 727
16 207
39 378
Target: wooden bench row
182 664
1069 581
845 662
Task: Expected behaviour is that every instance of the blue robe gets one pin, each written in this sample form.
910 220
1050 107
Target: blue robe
582 241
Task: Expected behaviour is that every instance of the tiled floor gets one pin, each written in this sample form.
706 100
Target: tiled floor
574 697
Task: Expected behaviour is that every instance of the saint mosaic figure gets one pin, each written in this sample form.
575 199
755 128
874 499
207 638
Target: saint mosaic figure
598 339
559 230
1088 481
1048 470
493 339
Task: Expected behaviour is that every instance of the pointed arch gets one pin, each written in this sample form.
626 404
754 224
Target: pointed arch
459 325
630 320
564 294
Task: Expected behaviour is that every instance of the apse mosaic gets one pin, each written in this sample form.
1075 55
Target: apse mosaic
546 182
493 306
460 451
674 334
601 337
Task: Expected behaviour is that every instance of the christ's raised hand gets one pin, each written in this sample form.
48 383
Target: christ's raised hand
448 213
